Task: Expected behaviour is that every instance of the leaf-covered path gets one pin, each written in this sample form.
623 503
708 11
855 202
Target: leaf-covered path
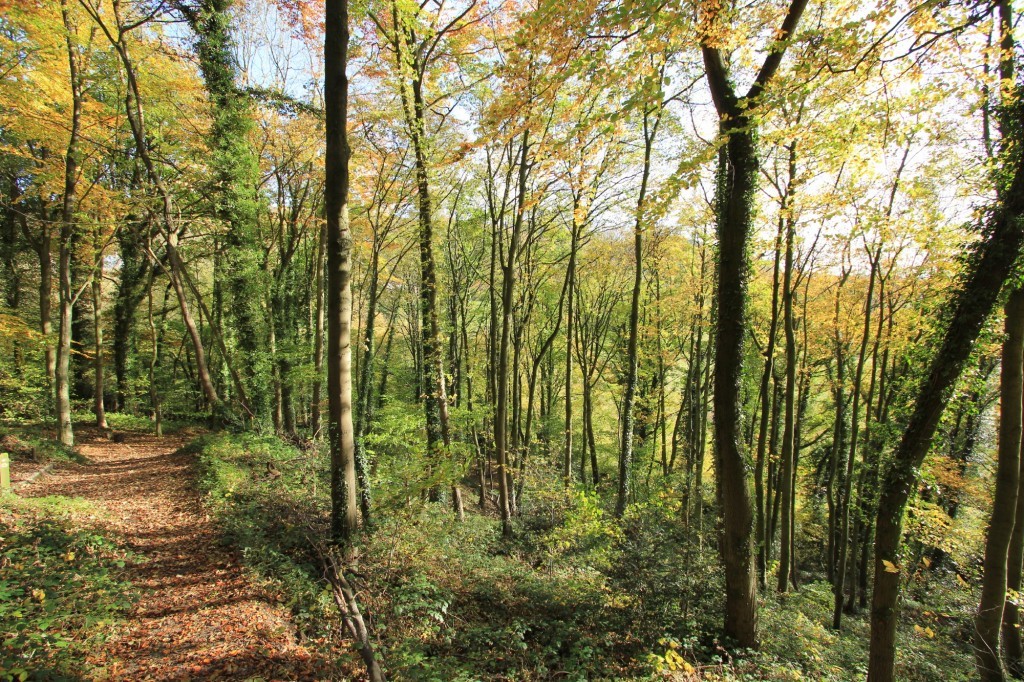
198 616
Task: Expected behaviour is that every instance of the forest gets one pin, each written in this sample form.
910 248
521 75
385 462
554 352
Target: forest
468 340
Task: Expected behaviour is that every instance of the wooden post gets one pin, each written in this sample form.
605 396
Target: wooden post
5 473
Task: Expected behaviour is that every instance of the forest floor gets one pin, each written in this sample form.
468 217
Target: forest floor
198 615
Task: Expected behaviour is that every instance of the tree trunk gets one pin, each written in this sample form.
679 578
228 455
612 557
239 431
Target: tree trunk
736 185
569 321
97 316
364 390
316 406
735 189
508 267
236 200
154 358
625 489
175 267
989 618
344 512
762 439
43 248
847 499
67 231
131 288
788 464
1012 646
435 399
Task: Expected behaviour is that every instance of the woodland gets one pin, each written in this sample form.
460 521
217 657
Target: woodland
511 340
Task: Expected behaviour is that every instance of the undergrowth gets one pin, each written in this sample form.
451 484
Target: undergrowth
61 589
576 595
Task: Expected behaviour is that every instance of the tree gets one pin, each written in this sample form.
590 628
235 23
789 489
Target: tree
736 184
236 168
651 121
415 49
66 295
344 507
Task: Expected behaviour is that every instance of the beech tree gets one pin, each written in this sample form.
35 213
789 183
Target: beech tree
344 514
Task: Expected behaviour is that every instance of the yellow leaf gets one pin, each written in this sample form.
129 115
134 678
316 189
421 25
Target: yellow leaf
890 567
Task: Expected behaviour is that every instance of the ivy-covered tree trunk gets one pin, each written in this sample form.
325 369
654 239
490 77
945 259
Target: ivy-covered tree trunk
131 289
434 392
735 189
236 199
737 173
989 265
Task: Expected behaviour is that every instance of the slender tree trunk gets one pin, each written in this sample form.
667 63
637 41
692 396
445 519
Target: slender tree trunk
762 439
344 511
316 407
364 402
97 316
435 399
175 267
837 468
1000 528
67 231
508 268
154 358
569 320
625 489
788 464
847 500
43 248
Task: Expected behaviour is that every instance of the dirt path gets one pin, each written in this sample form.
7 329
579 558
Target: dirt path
198 616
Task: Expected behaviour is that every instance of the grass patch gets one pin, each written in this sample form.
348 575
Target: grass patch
61 589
